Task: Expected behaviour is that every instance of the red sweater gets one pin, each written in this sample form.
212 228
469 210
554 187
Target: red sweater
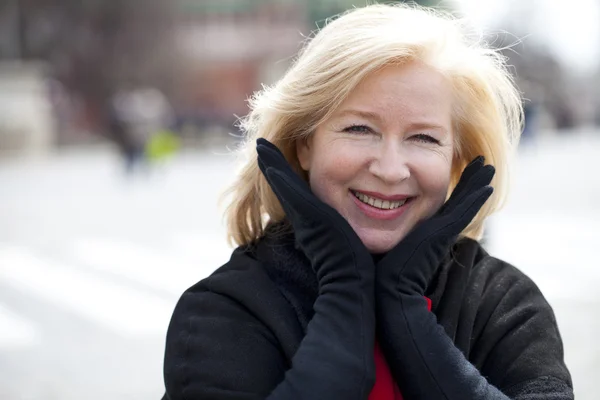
385 388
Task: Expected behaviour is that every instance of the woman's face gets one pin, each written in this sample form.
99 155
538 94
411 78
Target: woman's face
383 159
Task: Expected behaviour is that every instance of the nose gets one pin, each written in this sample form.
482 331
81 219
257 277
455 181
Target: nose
390 165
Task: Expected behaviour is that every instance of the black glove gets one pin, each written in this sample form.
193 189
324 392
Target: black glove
336 357
423 360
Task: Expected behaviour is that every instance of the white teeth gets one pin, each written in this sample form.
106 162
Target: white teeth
378 203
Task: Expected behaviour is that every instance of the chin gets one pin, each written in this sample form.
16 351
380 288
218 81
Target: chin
378 242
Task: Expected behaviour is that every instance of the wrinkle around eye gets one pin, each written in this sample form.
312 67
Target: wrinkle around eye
426 138
443 150
360 139
359 129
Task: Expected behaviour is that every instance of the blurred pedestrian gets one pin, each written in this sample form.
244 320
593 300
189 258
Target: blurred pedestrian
372 167
122 130
139 117
162 146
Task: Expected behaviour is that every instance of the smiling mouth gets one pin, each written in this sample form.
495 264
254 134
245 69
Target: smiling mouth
379 203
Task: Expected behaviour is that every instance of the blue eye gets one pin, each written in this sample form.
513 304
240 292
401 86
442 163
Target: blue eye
424 138
362 129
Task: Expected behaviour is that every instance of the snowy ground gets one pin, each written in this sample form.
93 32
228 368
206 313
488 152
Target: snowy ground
92 263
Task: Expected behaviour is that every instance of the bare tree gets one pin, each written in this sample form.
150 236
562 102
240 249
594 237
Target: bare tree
93 46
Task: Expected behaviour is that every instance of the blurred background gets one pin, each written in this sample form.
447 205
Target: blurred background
116 124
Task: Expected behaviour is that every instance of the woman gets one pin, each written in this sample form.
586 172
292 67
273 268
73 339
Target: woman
373 165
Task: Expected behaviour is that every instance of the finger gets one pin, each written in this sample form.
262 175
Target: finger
476 160
281 191
277 162
264 147
467 174
262 166
294 190
480 178
471 169
484 176
270 154
271 157
286 184
298 195
264 142
468 209
297 201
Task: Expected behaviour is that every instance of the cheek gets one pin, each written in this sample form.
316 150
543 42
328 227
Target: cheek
332 172
440 191
433 175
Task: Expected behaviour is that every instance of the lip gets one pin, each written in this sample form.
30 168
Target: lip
377 213
381 196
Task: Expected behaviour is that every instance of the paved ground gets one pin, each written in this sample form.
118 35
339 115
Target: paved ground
83 248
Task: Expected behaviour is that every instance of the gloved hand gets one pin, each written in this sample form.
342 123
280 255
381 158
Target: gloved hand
335 359
423 360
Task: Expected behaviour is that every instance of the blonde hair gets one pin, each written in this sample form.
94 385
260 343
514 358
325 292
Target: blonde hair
487 111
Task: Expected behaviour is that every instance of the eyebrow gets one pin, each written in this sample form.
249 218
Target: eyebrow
359 113
373 116
427 125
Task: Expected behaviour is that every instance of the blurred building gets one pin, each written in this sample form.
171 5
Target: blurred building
227 49
27 120
208 57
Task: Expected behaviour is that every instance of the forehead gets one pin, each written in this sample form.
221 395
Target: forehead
412 89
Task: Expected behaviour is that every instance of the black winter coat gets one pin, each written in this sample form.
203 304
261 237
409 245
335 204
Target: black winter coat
233 335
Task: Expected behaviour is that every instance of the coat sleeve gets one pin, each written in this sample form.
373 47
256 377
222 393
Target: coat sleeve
516 341
217 349
233 336
516 354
